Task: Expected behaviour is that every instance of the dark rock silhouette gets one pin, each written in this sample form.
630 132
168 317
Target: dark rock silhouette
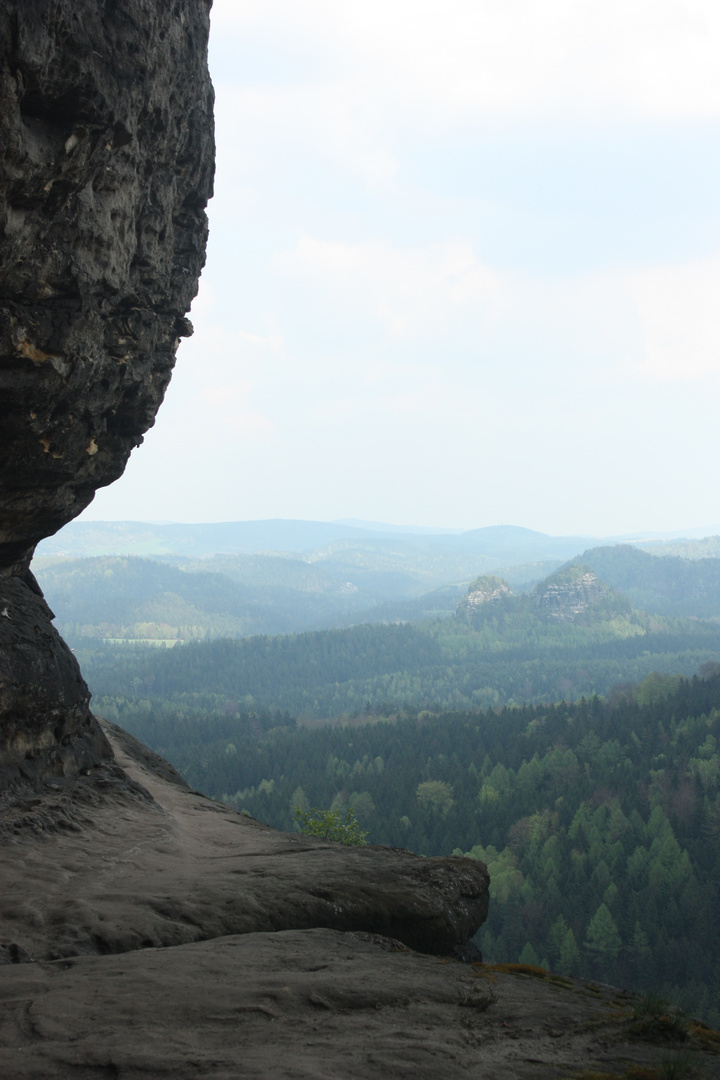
46 729
107 165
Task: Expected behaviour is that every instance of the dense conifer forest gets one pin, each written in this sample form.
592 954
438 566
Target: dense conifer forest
509 653
599 820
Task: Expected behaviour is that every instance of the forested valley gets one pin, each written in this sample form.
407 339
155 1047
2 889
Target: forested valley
509 650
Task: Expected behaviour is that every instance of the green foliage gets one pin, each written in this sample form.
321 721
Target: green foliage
602 937
299 801
529 956
329 825
651 1005
569 959
656 1019
664 582
435 796
680 1067
502 657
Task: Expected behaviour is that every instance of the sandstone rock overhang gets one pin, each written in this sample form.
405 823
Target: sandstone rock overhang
106 136
107 165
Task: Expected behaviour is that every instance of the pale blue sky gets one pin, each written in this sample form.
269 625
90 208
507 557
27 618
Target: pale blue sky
464 269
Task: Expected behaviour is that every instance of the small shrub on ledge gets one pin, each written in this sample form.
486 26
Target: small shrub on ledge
328 825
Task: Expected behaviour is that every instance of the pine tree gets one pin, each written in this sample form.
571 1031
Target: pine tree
569 954
529 956
602 939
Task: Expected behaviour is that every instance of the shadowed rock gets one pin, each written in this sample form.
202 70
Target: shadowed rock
108 868
107 164
47 729
322 1005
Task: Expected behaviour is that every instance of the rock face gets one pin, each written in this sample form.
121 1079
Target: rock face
107 165
106 130
484 590
571 593
47 731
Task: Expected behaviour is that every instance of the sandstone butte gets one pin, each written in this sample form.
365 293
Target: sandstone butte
145 930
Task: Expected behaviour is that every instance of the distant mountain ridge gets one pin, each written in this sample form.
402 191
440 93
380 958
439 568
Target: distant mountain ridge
509 543
572 636
351 581
196 540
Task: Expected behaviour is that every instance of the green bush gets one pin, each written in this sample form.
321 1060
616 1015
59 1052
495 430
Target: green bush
329 825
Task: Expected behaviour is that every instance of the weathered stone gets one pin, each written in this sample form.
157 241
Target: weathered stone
488 589
158 864
107 164
47 730
106 135
570 593
321 1005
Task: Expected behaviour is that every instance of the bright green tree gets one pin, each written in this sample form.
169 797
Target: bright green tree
436 796
329 825
299 800
556 936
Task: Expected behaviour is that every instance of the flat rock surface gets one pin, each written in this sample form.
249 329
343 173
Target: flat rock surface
317 1004
111 868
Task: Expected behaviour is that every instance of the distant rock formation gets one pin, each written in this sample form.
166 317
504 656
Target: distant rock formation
484 590
570 593
107 163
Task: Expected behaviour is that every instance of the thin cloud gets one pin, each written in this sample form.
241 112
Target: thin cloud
678 311
412 291
510 59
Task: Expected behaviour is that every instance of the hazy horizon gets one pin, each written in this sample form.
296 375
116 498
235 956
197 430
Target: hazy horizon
463 267
690 532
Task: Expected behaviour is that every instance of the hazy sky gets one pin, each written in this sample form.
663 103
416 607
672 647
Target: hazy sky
464 270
